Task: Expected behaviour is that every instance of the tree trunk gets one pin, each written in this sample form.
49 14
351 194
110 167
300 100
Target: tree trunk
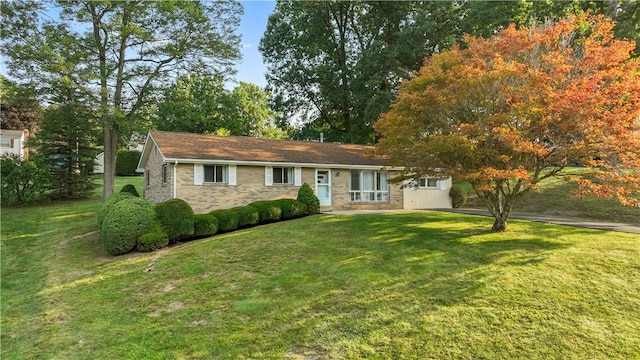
110 150
500 223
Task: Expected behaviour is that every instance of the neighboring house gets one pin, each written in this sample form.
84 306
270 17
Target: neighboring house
214 172
98 164
12 142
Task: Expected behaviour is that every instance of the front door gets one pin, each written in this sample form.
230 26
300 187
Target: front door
323 187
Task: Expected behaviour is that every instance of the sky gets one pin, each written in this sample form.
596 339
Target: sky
252 27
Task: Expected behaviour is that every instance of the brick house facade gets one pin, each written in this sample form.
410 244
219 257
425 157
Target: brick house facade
215 172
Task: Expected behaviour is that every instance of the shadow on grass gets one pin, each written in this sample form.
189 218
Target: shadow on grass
398 268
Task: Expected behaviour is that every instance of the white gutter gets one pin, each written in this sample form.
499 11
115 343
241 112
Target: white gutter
175 179
285 164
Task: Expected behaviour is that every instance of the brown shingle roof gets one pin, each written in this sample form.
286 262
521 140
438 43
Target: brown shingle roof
185 146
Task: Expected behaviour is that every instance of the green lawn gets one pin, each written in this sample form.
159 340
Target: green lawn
384 286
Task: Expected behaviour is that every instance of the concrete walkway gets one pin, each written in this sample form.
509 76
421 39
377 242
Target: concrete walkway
607 226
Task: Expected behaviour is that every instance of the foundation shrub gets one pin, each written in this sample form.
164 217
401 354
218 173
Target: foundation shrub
228 220
247 216
176 218
131 189
108 203
307 197
127 220
269 210
458 196
155 239
205 225
292 208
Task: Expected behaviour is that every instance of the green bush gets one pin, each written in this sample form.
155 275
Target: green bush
269 210
176 218
307 197
458 196
131 189
127 220
228 220
205 225
22 181
248 216
107 205
127 162
292 208
155 239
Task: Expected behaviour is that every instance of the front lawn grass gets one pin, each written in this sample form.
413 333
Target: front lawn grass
380 286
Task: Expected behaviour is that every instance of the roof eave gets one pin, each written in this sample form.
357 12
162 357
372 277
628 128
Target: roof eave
280 163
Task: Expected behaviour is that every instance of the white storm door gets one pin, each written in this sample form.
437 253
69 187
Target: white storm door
323 187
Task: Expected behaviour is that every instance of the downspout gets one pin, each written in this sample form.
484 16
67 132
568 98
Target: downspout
175 179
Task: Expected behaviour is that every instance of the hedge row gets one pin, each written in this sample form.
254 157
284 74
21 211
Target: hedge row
127 222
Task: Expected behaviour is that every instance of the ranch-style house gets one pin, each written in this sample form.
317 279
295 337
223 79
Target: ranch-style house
216 172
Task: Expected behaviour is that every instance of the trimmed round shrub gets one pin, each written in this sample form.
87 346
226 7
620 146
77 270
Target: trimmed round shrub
307 197
269 210
108 203
458 196
131 189
125 223
127 162
292 208
155 239
176 218
248 216
228 220
205 225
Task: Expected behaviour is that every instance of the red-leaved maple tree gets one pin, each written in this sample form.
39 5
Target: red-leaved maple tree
507 112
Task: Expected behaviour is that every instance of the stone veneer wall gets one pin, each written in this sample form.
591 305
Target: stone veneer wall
157 191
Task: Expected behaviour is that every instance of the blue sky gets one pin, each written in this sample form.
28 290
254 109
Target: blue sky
252 27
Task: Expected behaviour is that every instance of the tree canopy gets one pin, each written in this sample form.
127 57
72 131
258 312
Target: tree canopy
334 66
509 111
116 54
19 108
336 63
200 104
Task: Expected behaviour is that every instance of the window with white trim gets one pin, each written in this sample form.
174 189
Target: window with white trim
368 185
6 142
428 183
283 175
216 174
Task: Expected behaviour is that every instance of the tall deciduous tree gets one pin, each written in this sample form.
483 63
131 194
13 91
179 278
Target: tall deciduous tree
510 111
201 104
193 103
118 52
336 63
481 18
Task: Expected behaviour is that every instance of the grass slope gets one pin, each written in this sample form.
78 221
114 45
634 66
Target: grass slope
554 198
384 286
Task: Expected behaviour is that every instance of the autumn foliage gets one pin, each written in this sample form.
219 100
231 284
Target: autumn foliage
507 112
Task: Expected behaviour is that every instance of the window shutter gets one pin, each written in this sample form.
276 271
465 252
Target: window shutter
232 175
268 175
298 176
12 144
198 174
